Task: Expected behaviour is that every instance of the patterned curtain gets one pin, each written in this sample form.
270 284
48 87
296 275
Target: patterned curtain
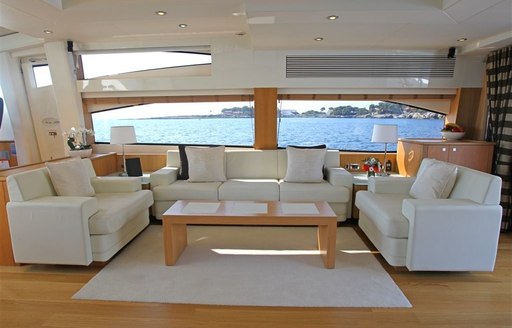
499 124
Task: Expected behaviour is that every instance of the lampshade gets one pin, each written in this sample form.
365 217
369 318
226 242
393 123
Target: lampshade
122 135
385 133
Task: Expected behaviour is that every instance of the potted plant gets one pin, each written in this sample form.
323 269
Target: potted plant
77 141
371 165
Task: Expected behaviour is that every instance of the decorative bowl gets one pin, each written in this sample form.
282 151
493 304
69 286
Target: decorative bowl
448 135
83 153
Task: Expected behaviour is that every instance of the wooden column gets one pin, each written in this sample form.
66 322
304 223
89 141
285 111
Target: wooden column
265 118
465 110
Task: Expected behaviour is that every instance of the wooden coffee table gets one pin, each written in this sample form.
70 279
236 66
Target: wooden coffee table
183 212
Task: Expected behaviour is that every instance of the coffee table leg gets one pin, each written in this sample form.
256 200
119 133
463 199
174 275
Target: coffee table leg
327 244
175 241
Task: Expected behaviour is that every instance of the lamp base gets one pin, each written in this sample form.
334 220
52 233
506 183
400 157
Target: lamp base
123 174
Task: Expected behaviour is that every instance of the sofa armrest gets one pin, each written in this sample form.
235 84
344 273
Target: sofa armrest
451 234
390 185
338 176
164 176
116 184
52 230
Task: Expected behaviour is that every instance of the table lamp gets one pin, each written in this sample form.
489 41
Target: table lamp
385 133
122 135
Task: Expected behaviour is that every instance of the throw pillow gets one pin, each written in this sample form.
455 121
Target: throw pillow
206 164
310 147
183 174
436 181
304 165
70 178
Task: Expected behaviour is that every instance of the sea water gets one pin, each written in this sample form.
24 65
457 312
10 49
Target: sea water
336 133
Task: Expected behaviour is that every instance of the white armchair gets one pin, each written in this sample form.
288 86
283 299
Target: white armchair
459 233
52 229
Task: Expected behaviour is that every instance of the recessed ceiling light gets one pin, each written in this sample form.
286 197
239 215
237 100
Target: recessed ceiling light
462 39
319 39
332 17
160 13
47 32
182 25
238 14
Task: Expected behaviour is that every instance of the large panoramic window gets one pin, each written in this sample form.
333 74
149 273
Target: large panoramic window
198 123
348 125
103 64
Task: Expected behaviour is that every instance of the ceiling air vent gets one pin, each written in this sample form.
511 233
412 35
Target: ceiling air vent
408 66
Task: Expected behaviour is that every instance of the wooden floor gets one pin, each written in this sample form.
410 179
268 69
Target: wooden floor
40 296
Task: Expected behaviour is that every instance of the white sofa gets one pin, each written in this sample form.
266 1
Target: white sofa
459 233
51 229
254 175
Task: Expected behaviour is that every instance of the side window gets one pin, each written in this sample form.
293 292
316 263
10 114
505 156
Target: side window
42 75
199 123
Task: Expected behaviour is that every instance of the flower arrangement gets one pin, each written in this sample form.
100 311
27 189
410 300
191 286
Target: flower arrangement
77 138
371 165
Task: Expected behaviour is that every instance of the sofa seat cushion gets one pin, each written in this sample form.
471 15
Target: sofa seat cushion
250 189
385 210
187 190
116 209
309 192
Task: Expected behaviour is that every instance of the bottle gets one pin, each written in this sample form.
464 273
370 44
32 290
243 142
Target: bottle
388 166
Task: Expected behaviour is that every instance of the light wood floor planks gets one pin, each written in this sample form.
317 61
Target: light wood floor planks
40 296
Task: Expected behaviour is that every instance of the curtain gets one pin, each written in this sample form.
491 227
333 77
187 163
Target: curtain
499 124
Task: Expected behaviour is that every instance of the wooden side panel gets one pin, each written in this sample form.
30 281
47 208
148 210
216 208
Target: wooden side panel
409 156
6 254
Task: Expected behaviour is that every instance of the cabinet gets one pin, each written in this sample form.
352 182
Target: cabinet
470 153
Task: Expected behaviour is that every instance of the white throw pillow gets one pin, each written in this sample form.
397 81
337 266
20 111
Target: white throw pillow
70 178
305 165
436 181
206 164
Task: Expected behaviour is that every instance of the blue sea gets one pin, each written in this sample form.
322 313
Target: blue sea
336 133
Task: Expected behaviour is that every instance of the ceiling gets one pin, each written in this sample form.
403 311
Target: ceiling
272 24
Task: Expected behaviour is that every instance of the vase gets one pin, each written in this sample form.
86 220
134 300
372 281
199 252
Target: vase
82 153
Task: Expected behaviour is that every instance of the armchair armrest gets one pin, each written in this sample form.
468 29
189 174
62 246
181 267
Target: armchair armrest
116 184
451 234
390 185
164 176
338 176
52 229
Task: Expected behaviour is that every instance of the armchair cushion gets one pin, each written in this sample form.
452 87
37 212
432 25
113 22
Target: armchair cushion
70 178
305 165
434 181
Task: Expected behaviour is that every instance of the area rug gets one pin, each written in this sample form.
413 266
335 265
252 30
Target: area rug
249 266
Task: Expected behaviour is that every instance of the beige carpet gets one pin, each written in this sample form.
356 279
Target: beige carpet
259 266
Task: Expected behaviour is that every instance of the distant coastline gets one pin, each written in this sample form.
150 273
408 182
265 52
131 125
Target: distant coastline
381 111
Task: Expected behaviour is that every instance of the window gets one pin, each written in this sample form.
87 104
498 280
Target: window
199 123
42 75
348 125
103 64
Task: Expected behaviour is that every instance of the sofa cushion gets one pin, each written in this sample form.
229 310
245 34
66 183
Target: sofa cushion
249 189
385 211
206 164
70 178
304 165
435 181
115 209
187 190
323 191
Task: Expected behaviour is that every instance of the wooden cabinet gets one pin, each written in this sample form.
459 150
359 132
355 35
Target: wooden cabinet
470 153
